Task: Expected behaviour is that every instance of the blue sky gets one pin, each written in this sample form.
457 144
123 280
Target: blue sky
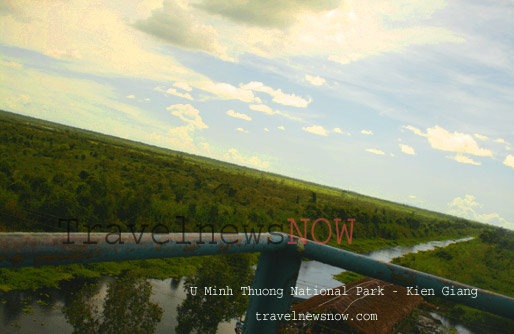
406 100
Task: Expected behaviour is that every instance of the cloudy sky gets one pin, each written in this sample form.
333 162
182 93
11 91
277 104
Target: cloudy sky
406 100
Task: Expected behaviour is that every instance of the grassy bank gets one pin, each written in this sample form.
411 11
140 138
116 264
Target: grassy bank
486 262
488 266
50 276
369 245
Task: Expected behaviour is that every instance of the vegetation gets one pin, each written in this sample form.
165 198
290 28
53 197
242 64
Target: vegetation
201 313
127 309
49 171
348 277
486 262
30 278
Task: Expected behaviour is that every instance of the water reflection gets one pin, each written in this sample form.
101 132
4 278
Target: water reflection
202 311
387 254
126 308
41 311
315 274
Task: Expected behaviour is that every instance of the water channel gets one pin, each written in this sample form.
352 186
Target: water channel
49 318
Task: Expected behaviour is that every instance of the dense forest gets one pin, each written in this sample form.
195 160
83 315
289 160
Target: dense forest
50 172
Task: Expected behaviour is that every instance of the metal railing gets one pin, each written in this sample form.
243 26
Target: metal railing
278 266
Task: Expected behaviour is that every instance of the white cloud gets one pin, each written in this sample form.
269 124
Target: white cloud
415 130
76 102
278 14
234 114
407 149
204 146
241 130
12 64
278 95
342 31
338 130
316 129
176 138
481 137
509 161
16 102
350 31
281 127
63 54
267 110
131 96
253 161
177 24
102 43
441 139
503 141
183 85
173 91
315 80
182 133
227 91
189 114
467 208
465 160
180 138
375 151
263 108
289 116
106 34
366 132
365 32
83 103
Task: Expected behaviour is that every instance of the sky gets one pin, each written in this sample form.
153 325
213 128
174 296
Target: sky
406 100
